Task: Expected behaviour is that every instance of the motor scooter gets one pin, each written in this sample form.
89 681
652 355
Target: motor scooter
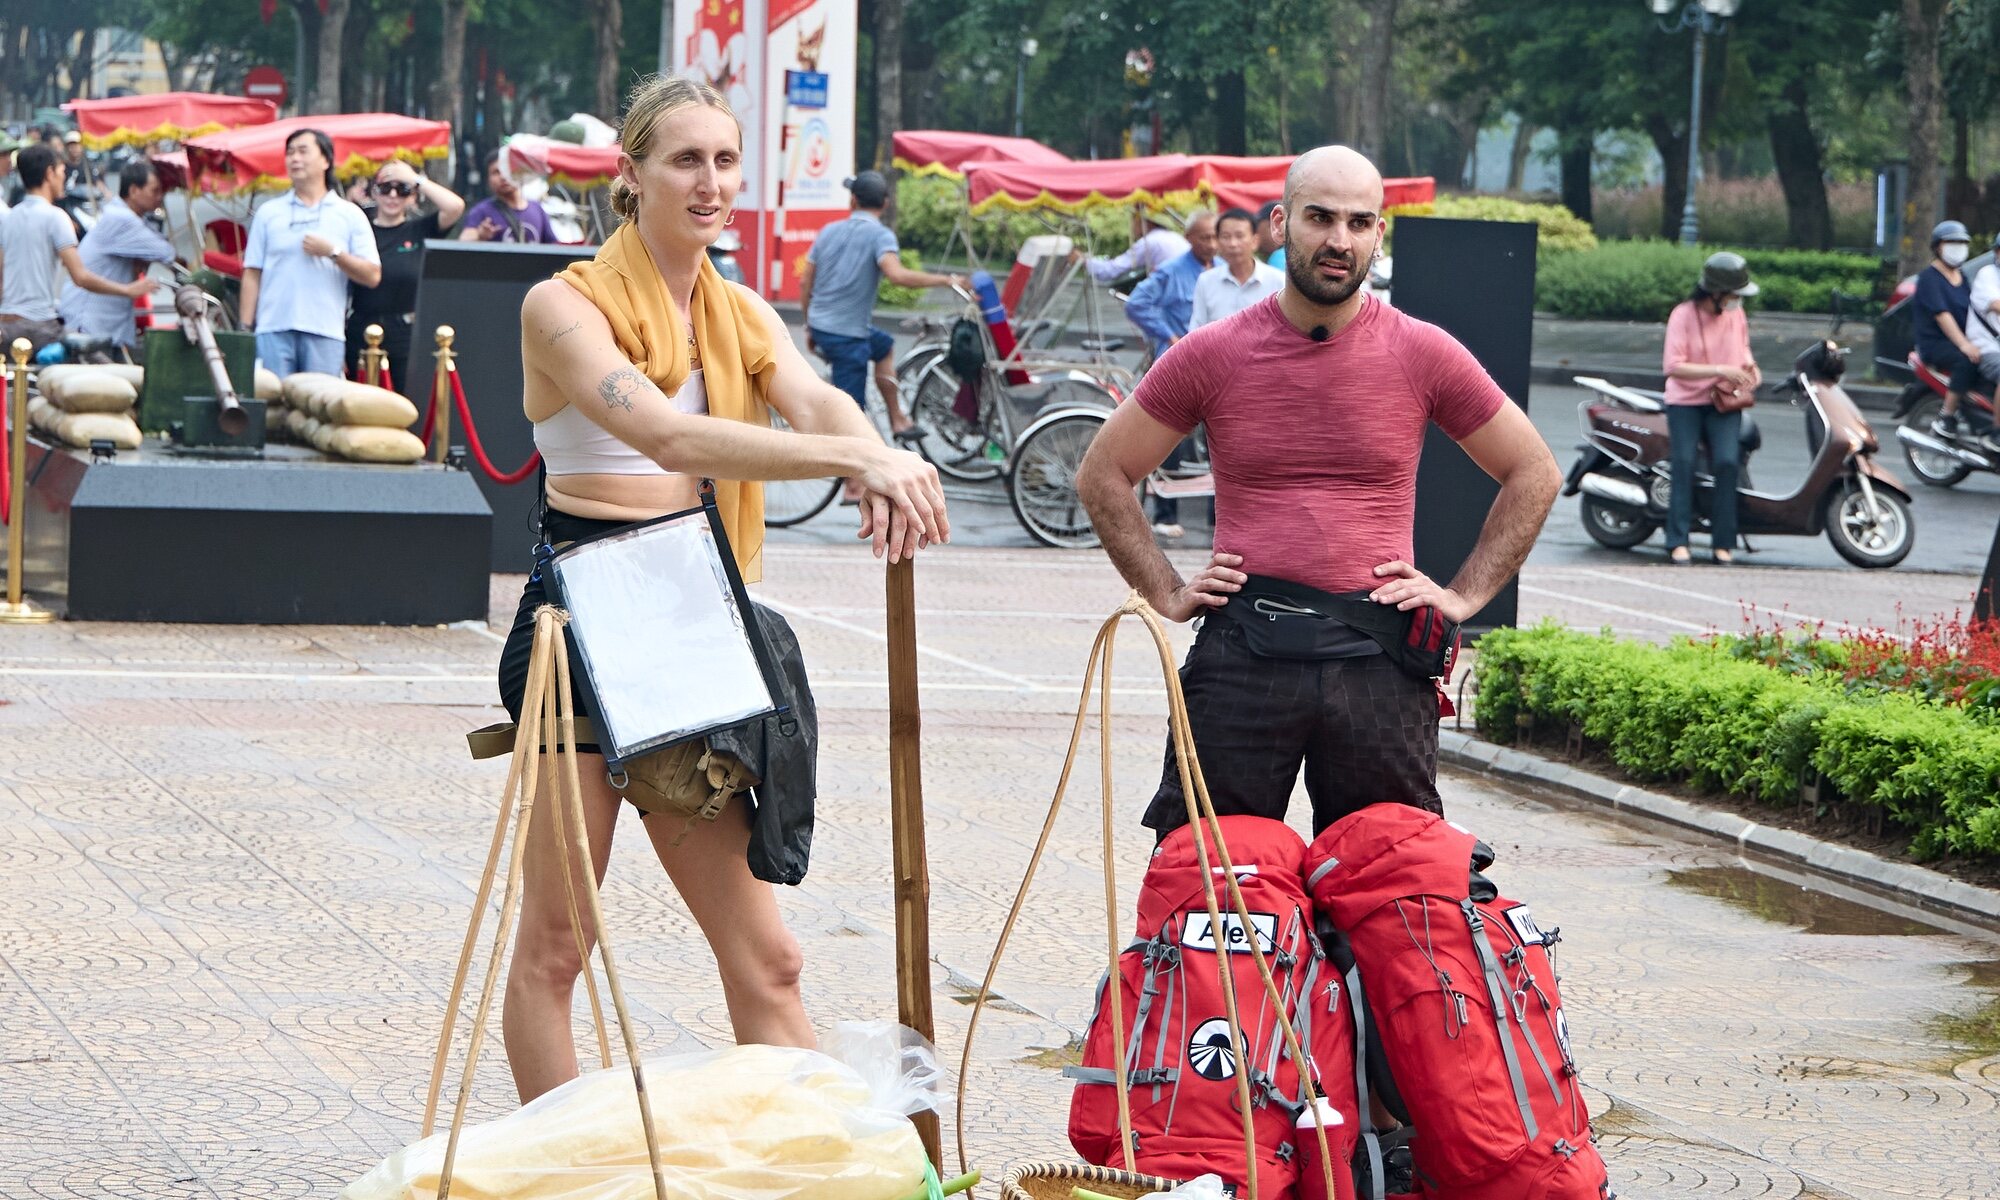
1623 476
722 252
1937 460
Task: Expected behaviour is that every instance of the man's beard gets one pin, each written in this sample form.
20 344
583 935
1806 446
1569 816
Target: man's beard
1305 278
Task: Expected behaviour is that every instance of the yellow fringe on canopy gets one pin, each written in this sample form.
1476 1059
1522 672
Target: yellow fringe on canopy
353 167
1200 194
141 137
930 168
586 184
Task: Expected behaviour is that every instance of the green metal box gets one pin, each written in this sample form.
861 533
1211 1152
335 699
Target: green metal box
175 371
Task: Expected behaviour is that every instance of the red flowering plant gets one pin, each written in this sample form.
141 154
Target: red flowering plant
1951 660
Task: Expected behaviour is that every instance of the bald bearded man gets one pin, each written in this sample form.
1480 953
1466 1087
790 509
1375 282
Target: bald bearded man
1316 402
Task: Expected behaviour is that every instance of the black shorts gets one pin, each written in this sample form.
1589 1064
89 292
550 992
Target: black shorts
557 528
1364 730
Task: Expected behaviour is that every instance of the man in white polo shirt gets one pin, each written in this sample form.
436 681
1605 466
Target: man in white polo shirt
1239 280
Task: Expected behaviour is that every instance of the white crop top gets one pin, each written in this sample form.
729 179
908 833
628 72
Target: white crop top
573 444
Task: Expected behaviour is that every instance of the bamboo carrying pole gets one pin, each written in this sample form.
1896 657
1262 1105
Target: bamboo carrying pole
371 358
906 806
16 610
441 394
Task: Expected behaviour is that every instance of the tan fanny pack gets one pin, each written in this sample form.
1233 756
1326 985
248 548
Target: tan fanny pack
690 780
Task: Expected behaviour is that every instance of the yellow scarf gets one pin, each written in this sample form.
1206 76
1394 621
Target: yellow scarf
736 358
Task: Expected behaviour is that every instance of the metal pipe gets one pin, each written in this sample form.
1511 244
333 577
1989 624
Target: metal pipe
191 306
1618 491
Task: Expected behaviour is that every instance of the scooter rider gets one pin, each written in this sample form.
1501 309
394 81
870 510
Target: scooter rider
1982 329
1939 320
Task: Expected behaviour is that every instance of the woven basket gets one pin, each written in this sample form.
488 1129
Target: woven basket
1053 1181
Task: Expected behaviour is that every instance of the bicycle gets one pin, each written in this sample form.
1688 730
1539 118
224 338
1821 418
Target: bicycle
789 502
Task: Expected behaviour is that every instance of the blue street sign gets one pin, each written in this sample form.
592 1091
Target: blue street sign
805 89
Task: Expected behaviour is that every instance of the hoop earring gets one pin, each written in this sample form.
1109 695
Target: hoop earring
730 219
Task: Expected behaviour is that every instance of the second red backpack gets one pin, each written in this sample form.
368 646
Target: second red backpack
1182 1061
1462 994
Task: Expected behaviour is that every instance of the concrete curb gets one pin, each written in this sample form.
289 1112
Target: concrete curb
1920 886
1871 397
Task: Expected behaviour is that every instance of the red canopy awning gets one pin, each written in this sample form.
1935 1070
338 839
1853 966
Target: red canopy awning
254 159
945 152
565 163
1168 180
175 116
1251 182
172 166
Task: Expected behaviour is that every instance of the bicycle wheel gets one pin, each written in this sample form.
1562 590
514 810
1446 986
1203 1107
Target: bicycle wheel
794 501
1042 485
955 446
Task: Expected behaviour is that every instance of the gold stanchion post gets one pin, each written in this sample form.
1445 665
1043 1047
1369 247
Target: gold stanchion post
441 395
371 358
16 610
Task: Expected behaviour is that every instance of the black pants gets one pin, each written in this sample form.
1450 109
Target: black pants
1962 372
557 528
1364 731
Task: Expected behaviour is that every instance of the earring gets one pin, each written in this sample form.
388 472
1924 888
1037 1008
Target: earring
730 219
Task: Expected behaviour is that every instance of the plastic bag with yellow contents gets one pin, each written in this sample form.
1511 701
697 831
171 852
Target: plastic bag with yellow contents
744 1123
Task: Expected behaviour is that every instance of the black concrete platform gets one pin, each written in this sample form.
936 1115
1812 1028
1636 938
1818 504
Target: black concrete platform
292 537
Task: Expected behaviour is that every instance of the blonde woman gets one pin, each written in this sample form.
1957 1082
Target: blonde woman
645 373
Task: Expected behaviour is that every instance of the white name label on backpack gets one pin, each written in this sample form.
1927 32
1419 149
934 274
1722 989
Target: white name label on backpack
1200 935
1524 925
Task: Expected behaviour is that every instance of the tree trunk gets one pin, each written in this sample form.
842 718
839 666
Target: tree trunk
1378 51
1576 154
1670 143
888 78
332 42
1517 155
446 89
358 87
608 21
81 62
1796 151
1921 20
1232 116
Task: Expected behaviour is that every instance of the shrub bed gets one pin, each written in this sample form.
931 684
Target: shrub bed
1721 715
1642 281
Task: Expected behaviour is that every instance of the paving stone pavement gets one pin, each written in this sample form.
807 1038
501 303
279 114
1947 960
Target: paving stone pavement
236 863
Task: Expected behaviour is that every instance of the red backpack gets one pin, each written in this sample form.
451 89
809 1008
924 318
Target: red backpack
1181 1061
1463 998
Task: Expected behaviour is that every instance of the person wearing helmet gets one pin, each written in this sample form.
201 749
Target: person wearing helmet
1939 308
1708 349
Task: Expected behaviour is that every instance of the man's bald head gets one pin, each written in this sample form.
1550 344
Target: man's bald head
1335 170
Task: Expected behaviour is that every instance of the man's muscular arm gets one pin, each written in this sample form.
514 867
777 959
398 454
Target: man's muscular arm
1510 450
1123 453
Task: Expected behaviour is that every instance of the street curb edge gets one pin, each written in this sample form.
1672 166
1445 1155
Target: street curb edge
1921 886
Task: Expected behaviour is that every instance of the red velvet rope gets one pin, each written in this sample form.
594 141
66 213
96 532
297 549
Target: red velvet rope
6 448
472 440
430 417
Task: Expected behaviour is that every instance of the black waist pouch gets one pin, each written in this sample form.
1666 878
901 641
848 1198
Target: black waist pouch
1282 619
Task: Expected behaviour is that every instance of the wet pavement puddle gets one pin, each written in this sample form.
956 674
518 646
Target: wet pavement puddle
1784 903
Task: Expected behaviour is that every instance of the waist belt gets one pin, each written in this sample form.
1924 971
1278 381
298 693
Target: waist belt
1282 619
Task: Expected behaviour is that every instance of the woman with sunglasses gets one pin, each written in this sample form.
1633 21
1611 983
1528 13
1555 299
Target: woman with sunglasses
400 232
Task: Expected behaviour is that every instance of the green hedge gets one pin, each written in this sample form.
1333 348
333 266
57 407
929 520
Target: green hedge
928 208
1692 712
1642 281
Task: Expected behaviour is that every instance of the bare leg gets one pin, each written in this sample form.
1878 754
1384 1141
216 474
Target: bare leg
885 382
1951 402
541 979
757 956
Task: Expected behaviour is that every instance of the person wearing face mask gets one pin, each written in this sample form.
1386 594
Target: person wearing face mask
400 232
1708 346
1943 295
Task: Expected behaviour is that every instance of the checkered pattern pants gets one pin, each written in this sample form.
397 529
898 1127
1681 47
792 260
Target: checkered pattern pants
1364 732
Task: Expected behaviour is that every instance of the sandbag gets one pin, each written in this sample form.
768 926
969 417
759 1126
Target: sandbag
91 390
320 434
372 443
361 404
767 1122
42 415
131 373
81 429
304 390
270 388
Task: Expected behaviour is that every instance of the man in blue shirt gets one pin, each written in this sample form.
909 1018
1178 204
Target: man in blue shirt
1161 306
1270 247
119 247
1938 320
837 287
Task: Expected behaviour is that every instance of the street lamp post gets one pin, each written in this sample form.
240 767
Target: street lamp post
1028 48
1705 17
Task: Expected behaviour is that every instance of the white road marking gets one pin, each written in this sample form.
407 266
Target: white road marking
1655 618
795 610
1740 605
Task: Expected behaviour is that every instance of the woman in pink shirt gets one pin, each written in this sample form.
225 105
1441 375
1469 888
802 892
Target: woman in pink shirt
1708 347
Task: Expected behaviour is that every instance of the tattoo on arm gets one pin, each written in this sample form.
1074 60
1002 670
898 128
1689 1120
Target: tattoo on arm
619 387
562 333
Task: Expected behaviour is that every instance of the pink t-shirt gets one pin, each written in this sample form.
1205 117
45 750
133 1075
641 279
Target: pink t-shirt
1315 444
1694 336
